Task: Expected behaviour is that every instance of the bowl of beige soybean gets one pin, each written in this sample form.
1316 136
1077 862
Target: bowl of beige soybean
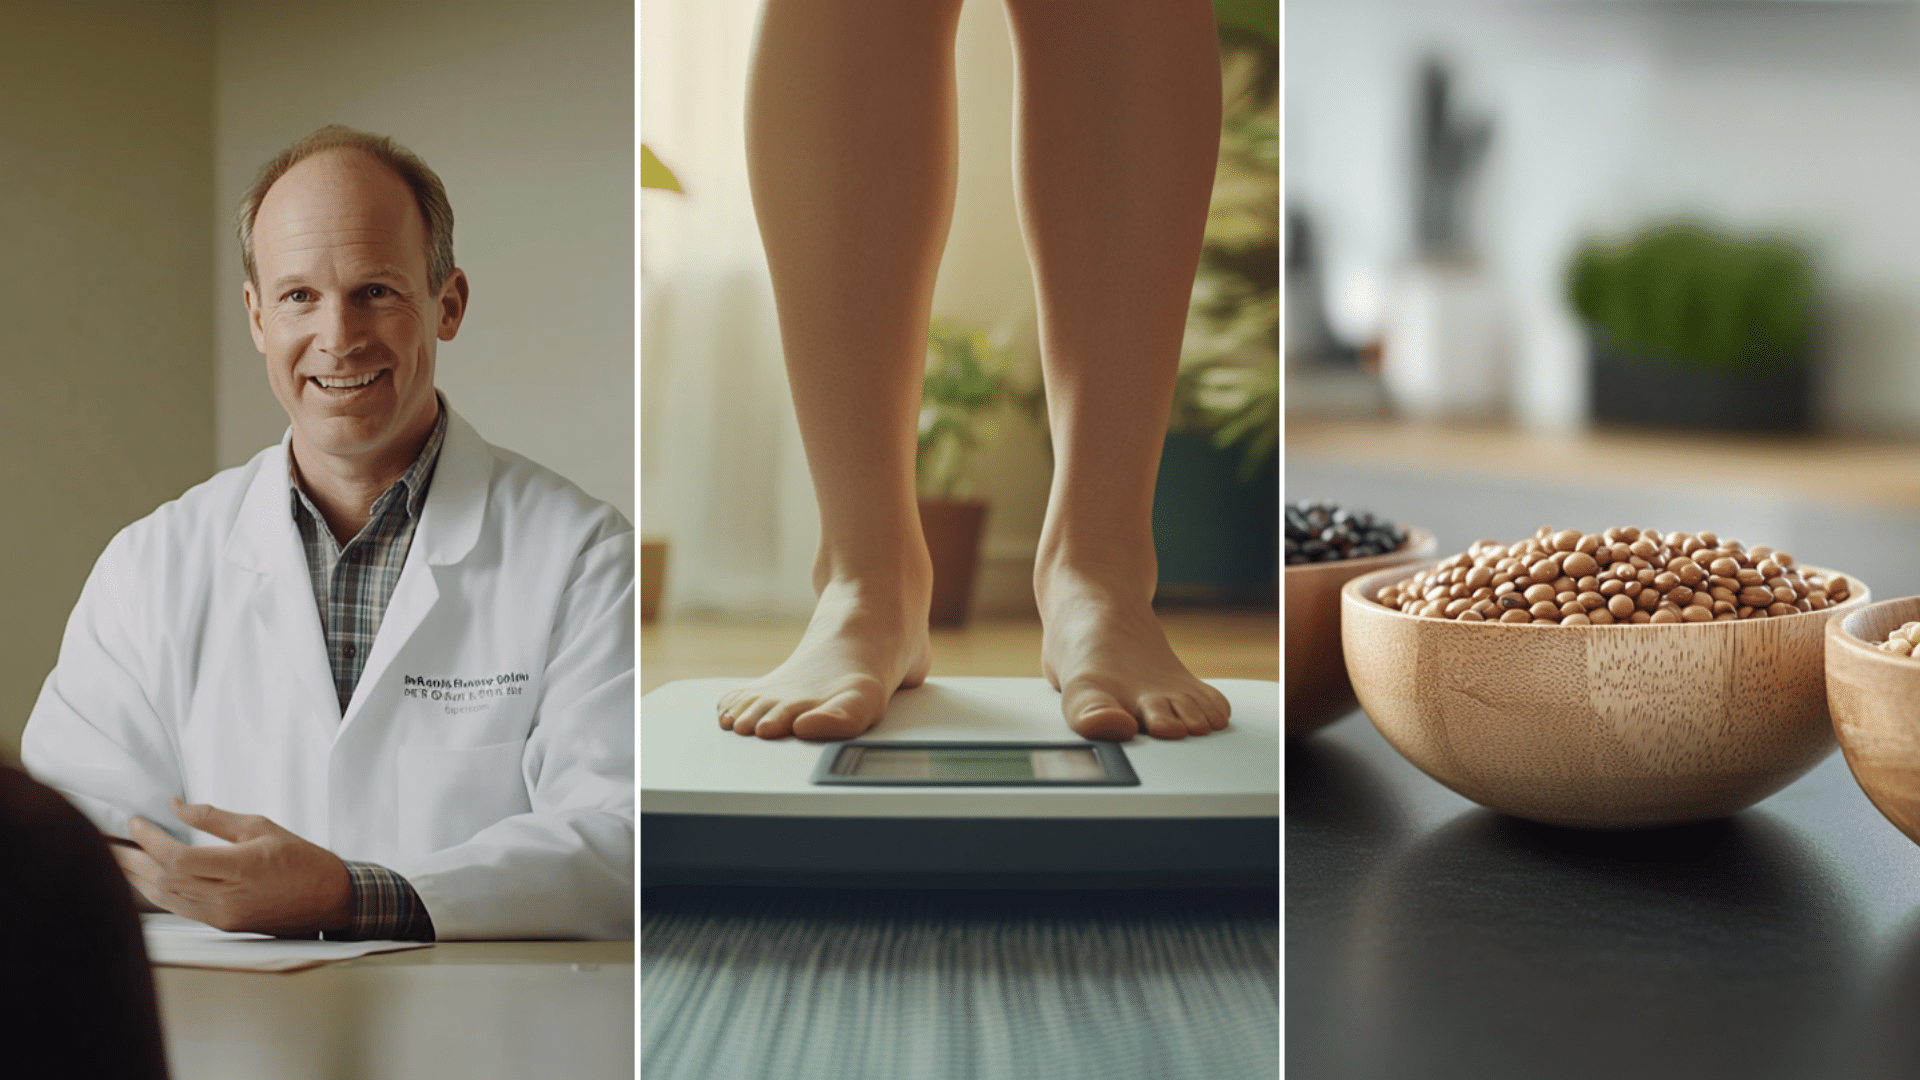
1623 679
1873 688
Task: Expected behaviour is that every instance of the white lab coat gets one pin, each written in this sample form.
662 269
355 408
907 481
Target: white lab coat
487 754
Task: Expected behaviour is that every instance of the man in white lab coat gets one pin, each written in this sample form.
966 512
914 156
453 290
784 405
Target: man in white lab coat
378 681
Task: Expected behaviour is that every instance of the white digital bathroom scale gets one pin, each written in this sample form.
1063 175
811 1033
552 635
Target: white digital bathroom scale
966 781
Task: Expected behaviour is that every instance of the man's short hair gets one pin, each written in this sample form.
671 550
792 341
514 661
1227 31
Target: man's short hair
428 192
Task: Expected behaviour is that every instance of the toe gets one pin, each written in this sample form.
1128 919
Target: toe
1158 717
1192 714
747 715
842 716
778 721
1094 713
1218 708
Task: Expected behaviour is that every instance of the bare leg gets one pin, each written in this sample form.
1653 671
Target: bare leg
850 153
1119 117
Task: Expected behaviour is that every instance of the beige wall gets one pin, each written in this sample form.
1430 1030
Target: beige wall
105 277
986 283
526 112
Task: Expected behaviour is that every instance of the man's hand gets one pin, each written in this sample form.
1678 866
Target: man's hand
269 881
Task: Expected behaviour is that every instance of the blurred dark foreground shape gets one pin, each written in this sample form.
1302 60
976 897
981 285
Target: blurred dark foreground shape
76 995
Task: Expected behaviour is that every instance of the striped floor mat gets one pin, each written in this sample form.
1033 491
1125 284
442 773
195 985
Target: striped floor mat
812 984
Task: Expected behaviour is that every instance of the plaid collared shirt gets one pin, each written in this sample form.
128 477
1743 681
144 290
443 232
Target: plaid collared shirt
351 586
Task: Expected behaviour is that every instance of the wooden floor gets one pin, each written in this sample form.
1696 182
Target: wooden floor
1215 643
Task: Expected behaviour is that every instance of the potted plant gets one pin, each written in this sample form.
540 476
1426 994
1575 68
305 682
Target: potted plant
968 382
1689 328
1216 501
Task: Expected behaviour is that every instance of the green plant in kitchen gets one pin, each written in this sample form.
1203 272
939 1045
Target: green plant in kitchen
1229 381
1686 295
969 381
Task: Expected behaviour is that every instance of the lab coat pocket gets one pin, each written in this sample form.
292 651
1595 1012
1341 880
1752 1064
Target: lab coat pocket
446 796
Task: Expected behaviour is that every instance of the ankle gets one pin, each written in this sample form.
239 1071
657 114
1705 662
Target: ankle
909 577
1119 579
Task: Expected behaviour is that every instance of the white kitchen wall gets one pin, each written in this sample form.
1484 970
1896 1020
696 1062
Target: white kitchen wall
1755 115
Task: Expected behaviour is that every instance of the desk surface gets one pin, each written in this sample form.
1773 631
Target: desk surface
478 1010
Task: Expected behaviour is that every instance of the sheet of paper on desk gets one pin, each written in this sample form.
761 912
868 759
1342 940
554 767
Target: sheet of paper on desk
180 942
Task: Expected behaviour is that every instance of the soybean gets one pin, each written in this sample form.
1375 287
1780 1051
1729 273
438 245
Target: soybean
1623 575
1904 641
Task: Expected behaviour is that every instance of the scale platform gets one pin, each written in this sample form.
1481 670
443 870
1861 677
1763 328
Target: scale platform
967 782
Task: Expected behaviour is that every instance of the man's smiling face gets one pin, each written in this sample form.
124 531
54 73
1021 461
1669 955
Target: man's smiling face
343 313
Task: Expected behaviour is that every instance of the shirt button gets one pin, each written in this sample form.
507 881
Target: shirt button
351 651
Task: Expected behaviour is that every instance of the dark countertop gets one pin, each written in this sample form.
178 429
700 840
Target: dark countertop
1428 937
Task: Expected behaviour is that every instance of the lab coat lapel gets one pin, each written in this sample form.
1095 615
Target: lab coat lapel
266 541
449 525
413 597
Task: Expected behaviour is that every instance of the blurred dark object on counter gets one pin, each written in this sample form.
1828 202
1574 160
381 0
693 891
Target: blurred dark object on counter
1448 151
1310 337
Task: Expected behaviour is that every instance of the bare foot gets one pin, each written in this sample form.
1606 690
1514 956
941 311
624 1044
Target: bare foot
858 649
1116 674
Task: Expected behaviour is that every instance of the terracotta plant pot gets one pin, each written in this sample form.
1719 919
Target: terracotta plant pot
953 528
653 577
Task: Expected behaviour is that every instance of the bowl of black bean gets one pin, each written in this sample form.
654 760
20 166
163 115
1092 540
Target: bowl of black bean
1326 546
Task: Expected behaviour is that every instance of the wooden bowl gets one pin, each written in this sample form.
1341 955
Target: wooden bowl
1318 691
1875 698
1596 727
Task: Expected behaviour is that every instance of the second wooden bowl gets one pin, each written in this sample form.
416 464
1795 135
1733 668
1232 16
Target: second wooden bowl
1598 727
1875 699
1318 692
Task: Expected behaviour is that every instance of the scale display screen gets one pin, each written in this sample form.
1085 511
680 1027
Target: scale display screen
984 764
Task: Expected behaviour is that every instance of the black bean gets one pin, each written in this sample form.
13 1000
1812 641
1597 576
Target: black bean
1324 531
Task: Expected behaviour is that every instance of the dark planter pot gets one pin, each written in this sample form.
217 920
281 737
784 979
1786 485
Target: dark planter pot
1217 538
1624 389
953 528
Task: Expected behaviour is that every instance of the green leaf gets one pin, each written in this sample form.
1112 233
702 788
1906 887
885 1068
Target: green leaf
967 382
1261 17
655 175
1681 294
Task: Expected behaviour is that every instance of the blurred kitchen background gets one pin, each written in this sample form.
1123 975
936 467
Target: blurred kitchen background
728 520
1609 262
129 130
